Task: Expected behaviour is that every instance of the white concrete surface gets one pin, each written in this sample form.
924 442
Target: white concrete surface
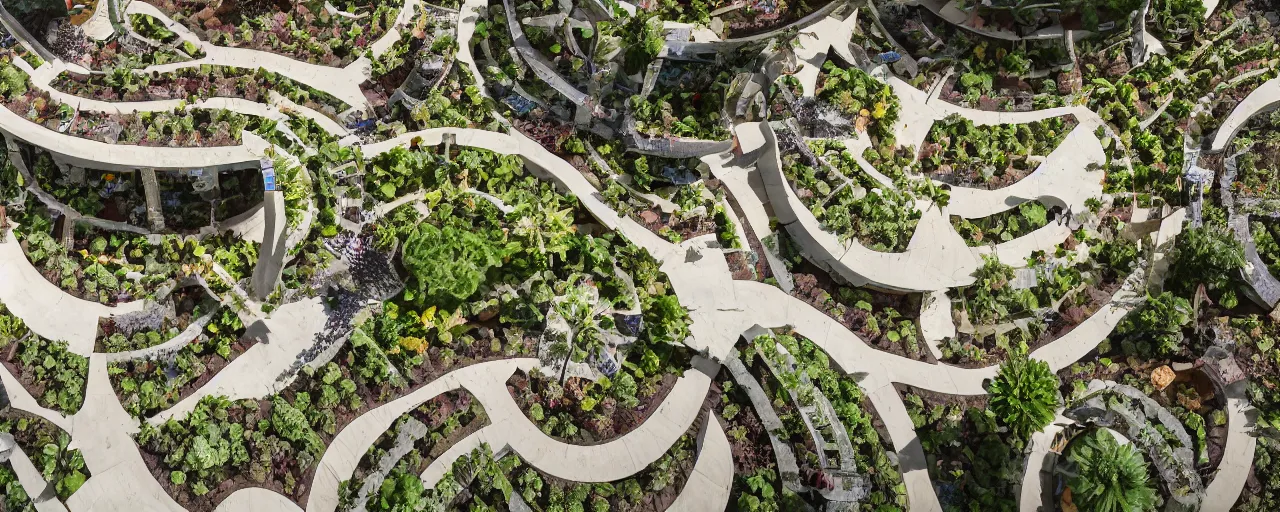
44 307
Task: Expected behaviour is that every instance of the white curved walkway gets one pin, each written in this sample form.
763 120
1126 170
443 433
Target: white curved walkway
257 499
339 82
103 432
343 455
1032 497
1237 458
711 482
1063 180
936 258
1265 97
264 368
44 307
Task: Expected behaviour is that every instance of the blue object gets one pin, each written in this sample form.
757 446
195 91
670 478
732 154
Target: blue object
520 104
269 179
889 57
605 363
363 125
628 325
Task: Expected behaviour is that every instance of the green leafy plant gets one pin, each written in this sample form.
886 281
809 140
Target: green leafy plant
1024 394
1109 476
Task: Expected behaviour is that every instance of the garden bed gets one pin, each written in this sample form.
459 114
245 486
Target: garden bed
196 83
753 455
430 39
847 201
107 195
448 419
99 265
1191 397
481 479
887 322
698 212
149 386
587 413
241 190
183 128
968 459
867 104
687 101
1004 226
1265 238
741 19
185 305
45 368
284 435
323 38
47 446
813 373
988 73
960 153
1258 165
1066 292
12 495
1255 341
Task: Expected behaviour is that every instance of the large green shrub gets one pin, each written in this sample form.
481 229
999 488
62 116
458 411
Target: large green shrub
449 262
1109 477
1024 394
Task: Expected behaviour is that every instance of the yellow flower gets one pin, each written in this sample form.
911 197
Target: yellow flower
415 344
428 316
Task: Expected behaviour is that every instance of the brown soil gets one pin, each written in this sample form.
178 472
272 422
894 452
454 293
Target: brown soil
622 420
739 263
28 379
1067 318
818 289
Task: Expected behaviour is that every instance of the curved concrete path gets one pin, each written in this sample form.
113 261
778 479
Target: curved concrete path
257 499
343 455
936 256
1032 492
339 82
266 367
103 432
720 307
1237 458
1262 99
1063 180
47 310
711 482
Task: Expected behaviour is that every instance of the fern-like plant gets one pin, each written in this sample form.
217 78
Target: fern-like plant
1109 477
1024 393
